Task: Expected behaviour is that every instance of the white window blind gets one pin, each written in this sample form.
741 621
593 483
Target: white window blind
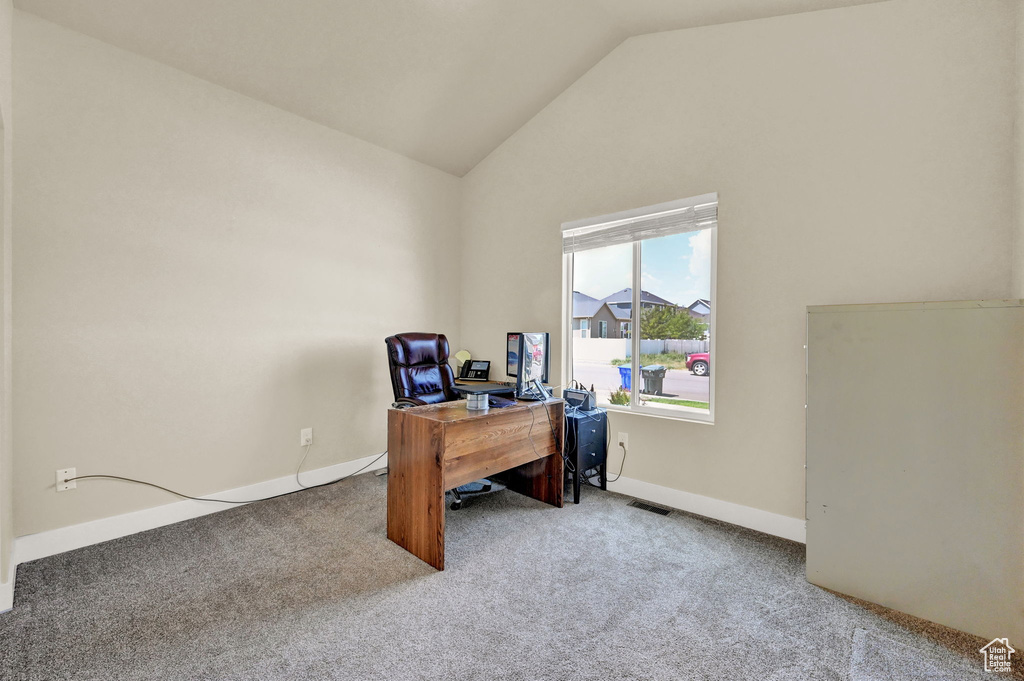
674 217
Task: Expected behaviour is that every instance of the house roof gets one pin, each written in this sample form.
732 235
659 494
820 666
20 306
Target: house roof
620 311
626 296
699 301
442 82
583 305
619 303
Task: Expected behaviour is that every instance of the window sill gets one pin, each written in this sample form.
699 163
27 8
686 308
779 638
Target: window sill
693 417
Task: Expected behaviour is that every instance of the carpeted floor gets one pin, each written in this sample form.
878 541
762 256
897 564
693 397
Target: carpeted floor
308 587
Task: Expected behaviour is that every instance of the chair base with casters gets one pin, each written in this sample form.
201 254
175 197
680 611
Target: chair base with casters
483 487
420 374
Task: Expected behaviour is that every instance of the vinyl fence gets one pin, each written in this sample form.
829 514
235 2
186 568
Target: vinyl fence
606 349
656 347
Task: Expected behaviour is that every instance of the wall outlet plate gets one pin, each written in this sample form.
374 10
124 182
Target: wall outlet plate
623 439
62 475
305 437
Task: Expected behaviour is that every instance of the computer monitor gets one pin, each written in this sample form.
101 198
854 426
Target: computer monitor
513 354
513 350
532 359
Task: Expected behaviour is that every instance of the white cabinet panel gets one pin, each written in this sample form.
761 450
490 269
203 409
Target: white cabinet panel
915 459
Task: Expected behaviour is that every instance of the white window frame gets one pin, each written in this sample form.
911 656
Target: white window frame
626 328
635 407
584 328
602 330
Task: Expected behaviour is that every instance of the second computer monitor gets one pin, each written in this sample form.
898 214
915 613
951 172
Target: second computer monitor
528 356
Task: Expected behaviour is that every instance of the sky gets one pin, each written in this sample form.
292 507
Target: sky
677 268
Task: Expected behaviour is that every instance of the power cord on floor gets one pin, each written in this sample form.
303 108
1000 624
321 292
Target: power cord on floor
228 501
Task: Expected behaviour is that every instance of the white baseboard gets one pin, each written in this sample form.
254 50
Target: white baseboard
6 596
52 542
783 526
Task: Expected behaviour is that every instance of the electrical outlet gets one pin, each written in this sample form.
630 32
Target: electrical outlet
623 439
305 437
63 476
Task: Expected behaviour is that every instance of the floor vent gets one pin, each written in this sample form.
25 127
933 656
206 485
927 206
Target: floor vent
660 510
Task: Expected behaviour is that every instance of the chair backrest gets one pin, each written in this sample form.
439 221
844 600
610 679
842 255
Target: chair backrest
419 367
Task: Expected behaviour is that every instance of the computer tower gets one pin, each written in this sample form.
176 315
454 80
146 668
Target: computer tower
586 447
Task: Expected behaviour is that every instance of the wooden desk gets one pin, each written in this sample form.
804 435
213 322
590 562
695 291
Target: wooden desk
438 447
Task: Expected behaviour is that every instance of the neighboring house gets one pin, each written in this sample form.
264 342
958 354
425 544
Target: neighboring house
583 309
610 316
700 309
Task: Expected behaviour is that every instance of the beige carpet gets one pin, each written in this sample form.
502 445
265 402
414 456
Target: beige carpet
308 587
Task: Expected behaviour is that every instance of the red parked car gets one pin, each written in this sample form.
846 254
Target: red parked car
699 363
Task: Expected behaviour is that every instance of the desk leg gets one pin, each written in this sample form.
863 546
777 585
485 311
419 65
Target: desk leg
543 480
415 487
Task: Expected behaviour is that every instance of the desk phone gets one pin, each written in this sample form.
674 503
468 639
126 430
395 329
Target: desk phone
475 370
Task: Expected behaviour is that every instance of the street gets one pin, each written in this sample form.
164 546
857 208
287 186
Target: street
679 383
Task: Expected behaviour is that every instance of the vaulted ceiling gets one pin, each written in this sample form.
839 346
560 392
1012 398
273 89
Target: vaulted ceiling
440 81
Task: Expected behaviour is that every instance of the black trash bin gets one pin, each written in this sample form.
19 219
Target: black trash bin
654 379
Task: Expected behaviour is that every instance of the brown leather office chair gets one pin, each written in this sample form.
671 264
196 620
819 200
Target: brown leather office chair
420 374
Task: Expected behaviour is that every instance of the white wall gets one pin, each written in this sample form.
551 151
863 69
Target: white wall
1018 246
6 458
860 155
198 276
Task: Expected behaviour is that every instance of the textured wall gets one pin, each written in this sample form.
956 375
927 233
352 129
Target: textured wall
860 155
6 150
199 276
1018 246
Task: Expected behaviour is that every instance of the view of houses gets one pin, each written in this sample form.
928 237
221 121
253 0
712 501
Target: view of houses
610 317
602 331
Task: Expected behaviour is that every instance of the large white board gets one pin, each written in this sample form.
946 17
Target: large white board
915 459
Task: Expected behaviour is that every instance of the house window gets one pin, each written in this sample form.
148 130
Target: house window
584 328
655 266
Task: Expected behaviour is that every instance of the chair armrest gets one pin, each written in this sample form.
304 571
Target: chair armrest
406 402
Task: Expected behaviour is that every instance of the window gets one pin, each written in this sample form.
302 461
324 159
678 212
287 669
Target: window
652 272
584 328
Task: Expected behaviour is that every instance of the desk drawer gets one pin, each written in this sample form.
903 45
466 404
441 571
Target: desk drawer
587 438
